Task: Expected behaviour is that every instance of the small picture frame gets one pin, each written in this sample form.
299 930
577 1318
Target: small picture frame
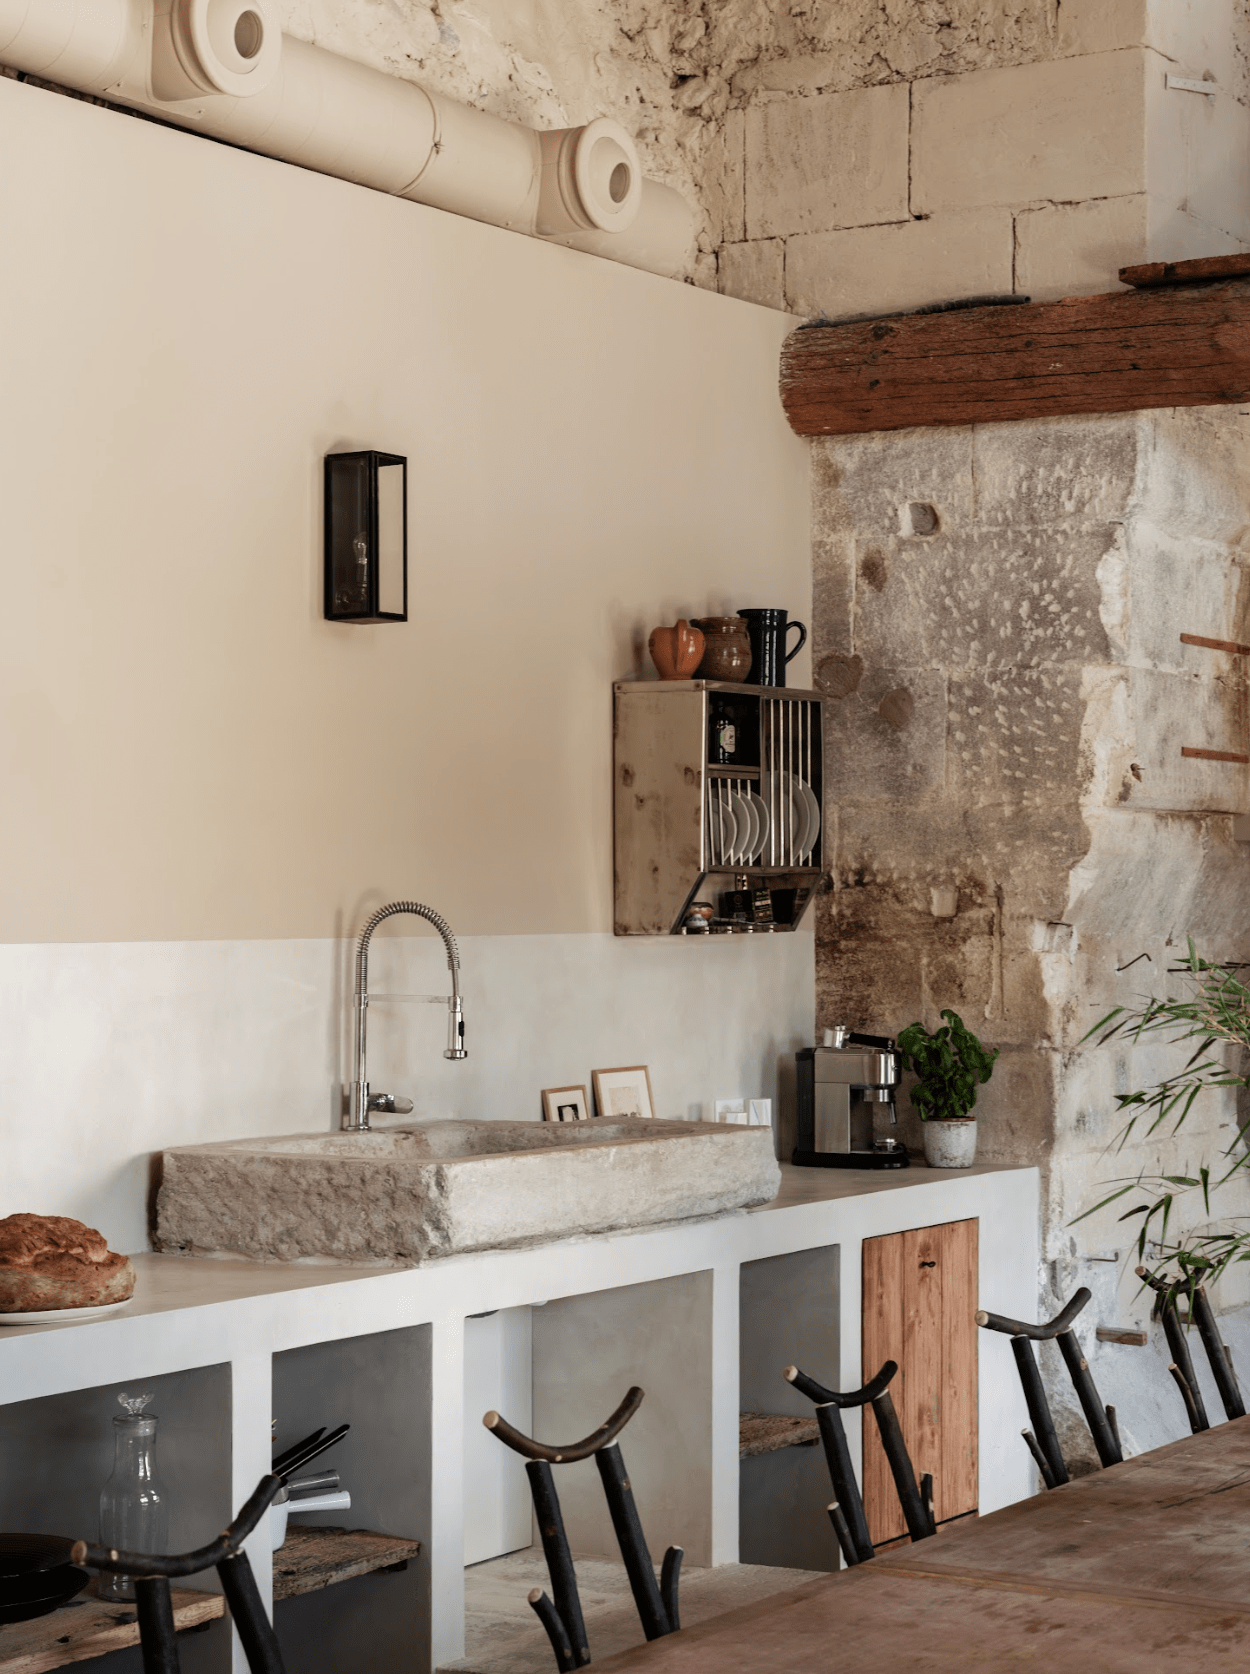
565 1104
623 1092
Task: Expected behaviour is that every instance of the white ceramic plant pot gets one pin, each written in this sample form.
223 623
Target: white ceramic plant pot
951 1144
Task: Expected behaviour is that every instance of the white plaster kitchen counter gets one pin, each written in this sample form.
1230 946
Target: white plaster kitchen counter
200 1313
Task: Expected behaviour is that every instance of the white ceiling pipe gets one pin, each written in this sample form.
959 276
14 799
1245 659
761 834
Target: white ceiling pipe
222 67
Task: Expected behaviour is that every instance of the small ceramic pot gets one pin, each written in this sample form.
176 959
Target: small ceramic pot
950 1144
726 648
676 651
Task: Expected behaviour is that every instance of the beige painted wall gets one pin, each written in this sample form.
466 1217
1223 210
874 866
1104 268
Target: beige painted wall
189 751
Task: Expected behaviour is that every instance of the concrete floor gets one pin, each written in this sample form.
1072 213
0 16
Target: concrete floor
503 1635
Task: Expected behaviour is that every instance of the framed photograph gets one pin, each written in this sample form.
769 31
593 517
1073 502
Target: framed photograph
623 1092
565 1104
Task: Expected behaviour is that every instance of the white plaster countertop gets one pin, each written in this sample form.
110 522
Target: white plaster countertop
190 1313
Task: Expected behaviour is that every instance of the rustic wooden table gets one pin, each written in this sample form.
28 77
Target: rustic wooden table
1135 1570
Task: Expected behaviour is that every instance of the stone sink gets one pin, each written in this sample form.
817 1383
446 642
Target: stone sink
412 1194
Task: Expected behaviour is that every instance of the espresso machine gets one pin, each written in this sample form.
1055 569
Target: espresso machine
843 1086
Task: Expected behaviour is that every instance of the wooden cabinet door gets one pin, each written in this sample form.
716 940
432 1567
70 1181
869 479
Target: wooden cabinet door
919 1297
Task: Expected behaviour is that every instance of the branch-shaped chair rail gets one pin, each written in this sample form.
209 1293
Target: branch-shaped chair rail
1182 1368
1042 1441
657 1603
1063 1320
153 1572
850 1524
572 1451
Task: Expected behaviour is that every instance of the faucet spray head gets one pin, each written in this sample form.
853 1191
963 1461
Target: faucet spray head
455 1029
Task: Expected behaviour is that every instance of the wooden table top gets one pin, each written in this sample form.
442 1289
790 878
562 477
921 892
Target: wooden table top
1135 1570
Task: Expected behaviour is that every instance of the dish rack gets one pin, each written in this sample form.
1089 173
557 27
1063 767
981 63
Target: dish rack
706 845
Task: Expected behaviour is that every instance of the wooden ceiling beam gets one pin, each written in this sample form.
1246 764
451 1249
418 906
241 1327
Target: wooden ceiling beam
1174 344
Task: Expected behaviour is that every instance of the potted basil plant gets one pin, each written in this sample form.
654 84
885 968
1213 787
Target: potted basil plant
951 1064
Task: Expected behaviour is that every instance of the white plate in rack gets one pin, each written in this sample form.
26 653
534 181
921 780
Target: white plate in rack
761 819
62 1316
782 801
724 832
748 828
811 809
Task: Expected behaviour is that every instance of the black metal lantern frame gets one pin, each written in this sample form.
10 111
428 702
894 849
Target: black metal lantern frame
366 537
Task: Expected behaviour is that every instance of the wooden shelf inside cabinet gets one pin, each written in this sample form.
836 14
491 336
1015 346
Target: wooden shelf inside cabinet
89 1627
769 1432
314 1558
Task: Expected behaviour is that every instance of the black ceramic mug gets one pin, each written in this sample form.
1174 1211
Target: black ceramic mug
767 630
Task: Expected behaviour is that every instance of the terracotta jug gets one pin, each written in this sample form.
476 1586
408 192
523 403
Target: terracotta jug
676 651
726 648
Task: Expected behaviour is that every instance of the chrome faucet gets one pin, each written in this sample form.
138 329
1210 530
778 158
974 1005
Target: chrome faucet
361 1100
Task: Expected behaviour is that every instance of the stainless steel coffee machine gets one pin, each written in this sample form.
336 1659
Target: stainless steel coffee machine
844 1087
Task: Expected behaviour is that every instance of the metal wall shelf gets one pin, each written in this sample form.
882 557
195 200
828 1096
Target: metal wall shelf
745 834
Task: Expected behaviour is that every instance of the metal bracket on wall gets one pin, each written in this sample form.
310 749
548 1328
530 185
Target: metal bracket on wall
1234 649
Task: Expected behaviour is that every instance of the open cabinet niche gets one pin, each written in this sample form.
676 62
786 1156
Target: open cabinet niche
57 1452
588 1350
498 1377
380 1385
788 1316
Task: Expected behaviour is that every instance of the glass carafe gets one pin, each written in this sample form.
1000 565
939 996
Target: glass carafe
133 1513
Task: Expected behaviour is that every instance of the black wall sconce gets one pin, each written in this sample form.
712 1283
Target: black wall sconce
366 513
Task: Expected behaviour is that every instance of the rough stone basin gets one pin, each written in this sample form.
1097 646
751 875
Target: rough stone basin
442 1188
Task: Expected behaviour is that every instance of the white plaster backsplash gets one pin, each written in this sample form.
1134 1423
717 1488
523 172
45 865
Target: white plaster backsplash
113 1051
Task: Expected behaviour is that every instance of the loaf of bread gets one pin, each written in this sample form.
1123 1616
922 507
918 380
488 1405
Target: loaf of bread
50 1261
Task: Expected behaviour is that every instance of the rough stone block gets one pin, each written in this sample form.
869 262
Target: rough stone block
754 272
1193 473
1078 249
1198 151
885 739
1197 35
988 599
883 270
800 72
1087 26
444 1188
867 485
1168 711
833 590
835 160
723 179
1056 473
1070 129
1015 737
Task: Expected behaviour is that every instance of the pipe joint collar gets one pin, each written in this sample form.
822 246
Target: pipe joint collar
215 46
591 179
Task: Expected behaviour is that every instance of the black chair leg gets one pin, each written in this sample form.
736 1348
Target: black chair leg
259 1641
1217 1354
842 1475
567 1601
1039 1411
916 1513
557 1633
1096 1415
630 1538
157 1638
1182 1369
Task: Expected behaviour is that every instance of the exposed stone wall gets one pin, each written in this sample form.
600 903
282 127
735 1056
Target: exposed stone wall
1014 820
891 157
858 156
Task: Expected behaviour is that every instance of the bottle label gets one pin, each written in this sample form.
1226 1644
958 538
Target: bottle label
727 737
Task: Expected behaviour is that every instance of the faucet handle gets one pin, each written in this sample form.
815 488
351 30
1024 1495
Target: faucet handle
390 1104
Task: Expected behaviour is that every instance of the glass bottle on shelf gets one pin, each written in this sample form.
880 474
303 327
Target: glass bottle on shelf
133 1511
722 739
